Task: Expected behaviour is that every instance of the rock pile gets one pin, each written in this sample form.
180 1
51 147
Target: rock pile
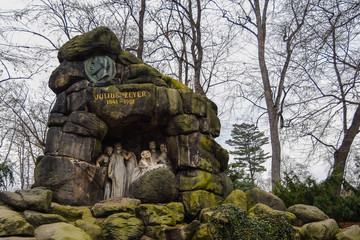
126 218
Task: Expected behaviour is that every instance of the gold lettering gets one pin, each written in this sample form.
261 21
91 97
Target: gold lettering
117 95
101 96
126 94
143 94
112 95
130 95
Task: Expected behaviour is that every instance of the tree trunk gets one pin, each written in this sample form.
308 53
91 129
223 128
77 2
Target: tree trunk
272 108
341 154
140 49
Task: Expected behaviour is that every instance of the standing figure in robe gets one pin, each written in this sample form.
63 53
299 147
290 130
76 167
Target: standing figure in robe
104 159
130 164
117 172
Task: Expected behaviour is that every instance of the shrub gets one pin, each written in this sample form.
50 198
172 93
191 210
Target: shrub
230 222
293 191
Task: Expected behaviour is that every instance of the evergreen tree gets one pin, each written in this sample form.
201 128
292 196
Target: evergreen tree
249 155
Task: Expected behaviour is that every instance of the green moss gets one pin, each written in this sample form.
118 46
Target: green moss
71 213
100 41
175 84
196 180
128 58
153 214
260 209
238 198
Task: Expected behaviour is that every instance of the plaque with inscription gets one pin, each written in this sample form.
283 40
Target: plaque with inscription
100 68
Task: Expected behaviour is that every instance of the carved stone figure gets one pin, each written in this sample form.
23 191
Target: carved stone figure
146 164
117 172
131 164
163 157
100 68
152 148
104 159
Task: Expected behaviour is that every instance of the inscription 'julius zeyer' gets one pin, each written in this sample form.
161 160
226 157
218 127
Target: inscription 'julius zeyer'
123 97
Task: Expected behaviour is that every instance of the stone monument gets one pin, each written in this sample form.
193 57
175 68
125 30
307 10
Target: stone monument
110 105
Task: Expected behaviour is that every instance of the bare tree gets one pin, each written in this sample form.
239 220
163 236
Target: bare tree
330 110
253 18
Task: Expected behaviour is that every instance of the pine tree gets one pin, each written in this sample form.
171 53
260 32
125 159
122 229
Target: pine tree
247 141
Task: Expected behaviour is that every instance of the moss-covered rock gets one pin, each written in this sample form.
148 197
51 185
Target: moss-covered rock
100 41
12 223
260 209
205 232
306 214
156 186
127 58
323 230
238 198
36 218
153 214
194 103
178 209
65 75
181 231
37 199
168 102
70 213
107 208
190 180
122 226
90 226
215 124
182 124
60 231
194 151
349 233
195 201
258 195
143 73
120 104
172 83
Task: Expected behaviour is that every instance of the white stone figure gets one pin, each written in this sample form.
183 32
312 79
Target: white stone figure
117 172
163 157
152 148
147 163
131 164
104 159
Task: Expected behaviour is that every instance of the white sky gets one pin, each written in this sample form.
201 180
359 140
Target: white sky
318 170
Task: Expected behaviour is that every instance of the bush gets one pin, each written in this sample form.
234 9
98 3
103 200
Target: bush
230 222
293 191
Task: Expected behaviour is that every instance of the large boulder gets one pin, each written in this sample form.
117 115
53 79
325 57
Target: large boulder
36 218
12 223
60 231
306 214
238 198
195 201
70 213
90 226
156 186
258 195
80 184
323 230
122 226
115 205
260 209
37 199
153 214
100 41
349 233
